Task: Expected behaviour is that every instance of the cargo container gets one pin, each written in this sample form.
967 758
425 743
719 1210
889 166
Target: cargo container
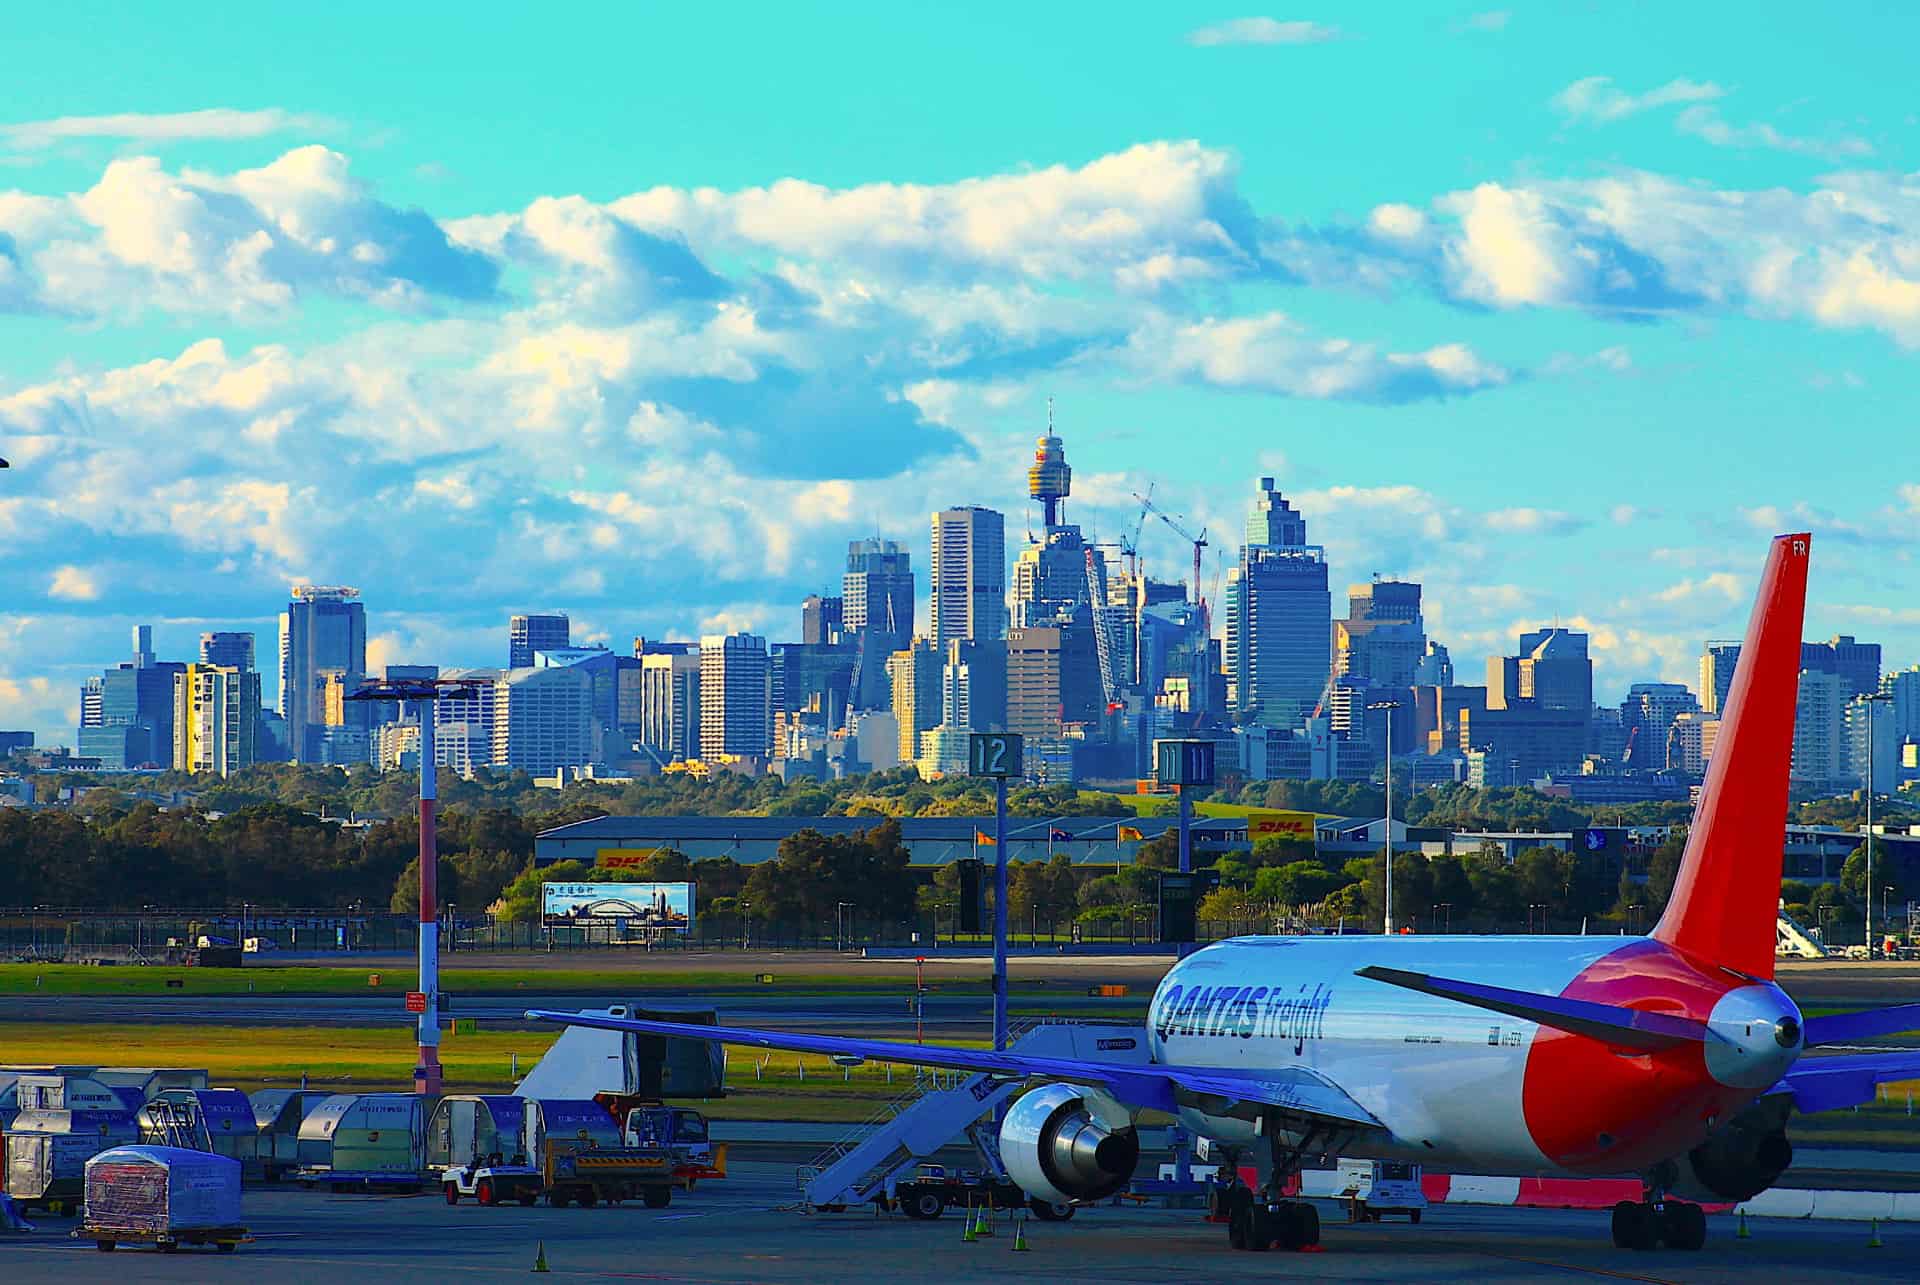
56 1088
216 1120
162 1196
364 1139
47 1152
277 1116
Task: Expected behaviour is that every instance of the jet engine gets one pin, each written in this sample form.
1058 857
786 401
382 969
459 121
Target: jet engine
1742 1159
1063 1143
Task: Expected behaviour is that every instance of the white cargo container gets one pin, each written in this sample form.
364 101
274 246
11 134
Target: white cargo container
48 1150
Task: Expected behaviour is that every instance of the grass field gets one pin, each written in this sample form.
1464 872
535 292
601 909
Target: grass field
84 979
760 1085
1145 805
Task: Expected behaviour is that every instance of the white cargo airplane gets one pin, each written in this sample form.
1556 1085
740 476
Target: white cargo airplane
1671 1057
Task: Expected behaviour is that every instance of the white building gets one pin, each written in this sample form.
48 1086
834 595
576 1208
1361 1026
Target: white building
736 696
670 704
1818 728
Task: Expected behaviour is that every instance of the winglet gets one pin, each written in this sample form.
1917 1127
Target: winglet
1726 899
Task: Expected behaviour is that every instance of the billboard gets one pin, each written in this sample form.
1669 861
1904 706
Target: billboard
1280 825
666 906
624 858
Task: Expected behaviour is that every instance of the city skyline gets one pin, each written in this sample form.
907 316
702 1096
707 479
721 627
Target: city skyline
1564 353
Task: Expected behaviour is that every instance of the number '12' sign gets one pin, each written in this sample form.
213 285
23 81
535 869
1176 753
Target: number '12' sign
996 754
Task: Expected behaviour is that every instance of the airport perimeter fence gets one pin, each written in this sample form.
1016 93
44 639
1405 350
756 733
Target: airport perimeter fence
53 934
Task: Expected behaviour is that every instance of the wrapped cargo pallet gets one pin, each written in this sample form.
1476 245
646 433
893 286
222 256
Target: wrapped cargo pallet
135 1192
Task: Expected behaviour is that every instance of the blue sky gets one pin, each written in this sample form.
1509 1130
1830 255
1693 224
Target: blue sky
644 312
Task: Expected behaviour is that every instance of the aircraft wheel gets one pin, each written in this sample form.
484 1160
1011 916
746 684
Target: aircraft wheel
1685 1225
1048 1211
1239 1220
1635 1225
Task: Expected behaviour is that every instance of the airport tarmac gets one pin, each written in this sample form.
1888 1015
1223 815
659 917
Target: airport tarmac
742 1229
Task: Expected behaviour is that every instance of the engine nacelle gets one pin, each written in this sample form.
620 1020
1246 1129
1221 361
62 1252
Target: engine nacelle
1740 1160
1056 1145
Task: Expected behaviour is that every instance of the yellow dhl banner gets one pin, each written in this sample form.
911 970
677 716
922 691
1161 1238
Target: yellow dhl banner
622 858
1280 825
982 837
1128 834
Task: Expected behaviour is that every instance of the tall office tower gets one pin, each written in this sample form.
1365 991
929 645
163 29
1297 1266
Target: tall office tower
1859 718
968 575
216 719
1053 679
1819 727
1856 663
813 678
1904 711
602 669
1176 648
464 718
1438 709
1717 660
1383 640
1690 742
670 701
543 719
1435 668
1050 576
126 714
914 676
234 650
876 605
1553 670
821 620
736 695
323 627
973 684
529 633
1279 618
1648 714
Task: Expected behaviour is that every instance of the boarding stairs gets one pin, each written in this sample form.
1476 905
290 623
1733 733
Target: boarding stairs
1792 942
944 1106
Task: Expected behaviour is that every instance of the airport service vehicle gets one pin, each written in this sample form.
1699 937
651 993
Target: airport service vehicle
681 1131
478 1142
934 1188
1375 1188
1673 1057
584 1156
495 1180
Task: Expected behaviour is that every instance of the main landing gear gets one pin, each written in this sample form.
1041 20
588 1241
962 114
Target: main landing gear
1266 1220
1646 1224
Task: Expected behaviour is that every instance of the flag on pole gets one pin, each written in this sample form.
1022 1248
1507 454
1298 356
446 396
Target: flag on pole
982 837
1129 834
1057 835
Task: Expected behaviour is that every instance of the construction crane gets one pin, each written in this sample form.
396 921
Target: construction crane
1130 545
1199 542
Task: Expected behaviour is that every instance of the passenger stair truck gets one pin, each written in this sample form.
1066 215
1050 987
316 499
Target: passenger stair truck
1791 941
885 1159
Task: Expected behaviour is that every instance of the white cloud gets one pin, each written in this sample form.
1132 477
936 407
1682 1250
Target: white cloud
1530 521
1490 20
1721 587
1597 98
73 584
1263 31
213 123
1707 124
1272 353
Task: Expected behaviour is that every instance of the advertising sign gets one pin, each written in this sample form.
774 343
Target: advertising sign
665 906
1280 825
623 858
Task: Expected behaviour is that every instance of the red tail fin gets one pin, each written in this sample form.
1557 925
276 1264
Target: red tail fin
1728 894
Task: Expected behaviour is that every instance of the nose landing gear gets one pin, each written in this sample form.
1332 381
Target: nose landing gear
1646 1224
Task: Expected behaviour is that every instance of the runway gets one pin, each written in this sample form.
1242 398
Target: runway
744 1228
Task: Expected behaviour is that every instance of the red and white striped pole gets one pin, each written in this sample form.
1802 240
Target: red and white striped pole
426 1075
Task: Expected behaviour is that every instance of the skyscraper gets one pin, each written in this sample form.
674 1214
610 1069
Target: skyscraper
1053 678
529 633
735 696
1648 714
974 685
126 714
323 628
1819 727
821 620
234 650
1050 576
1279 617
216 718
1717 660
1383 639
877 606
914 674
544 719
969 574
1856 663
670 700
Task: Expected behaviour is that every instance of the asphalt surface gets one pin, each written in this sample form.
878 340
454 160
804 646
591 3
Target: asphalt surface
744 1229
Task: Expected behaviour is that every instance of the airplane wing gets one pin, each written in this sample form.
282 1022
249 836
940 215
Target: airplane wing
1294 1091
1838 1028
1847 1079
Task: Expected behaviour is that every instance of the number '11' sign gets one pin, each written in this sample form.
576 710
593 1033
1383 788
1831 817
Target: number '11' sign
996 754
